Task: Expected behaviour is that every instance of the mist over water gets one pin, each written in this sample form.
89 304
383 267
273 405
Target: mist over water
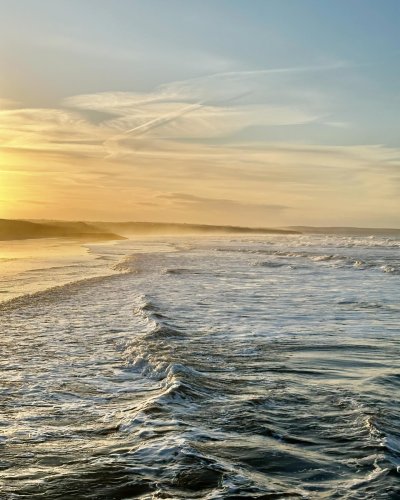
193 367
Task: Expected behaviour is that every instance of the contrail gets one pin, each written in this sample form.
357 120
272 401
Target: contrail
165 118
269 71
162 120
151 124
177 114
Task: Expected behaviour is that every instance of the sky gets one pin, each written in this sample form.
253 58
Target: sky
240 112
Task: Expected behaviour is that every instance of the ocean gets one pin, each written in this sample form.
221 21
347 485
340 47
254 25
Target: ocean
174 367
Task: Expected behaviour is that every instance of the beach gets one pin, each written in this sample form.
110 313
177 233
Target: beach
202 367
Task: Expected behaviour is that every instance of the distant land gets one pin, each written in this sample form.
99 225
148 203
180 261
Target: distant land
32 229
23 230
92 231
130 228
348 231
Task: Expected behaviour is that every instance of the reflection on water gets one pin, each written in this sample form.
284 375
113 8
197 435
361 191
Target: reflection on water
207 368
28 266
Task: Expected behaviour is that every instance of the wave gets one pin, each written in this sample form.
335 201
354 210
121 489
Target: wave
127 264
373 306
201 387
148 352
178 271
273 264
40 270
58 292
331 260
392 269
140 263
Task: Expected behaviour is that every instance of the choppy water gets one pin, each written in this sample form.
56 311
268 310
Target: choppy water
206 368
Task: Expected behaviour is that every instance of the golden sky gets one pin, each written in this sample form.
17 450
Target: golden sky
273 143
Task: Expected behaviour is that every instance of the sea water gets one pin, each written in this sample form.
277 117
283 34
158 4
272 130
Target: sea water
196 367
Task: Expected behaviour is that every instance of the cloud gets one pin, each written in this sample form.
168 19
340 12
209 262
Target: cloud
337 124
180 150
35 202
189 200
186 207
213 106
50 130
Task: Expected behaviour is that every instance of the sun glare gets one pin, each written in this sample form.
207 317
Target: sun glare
12 187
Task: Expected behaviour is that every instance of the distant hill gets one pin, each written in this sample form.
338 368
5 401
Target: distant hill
21 230
130 228
348 231
26 229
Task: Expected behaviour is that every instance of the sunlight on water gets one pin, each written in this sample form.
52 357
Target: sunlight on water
28 266
202 368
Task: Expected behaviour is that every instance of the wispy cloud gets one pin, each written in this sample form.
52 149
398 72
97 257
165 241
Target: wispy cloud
181 149
208 107
212 106
188 200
